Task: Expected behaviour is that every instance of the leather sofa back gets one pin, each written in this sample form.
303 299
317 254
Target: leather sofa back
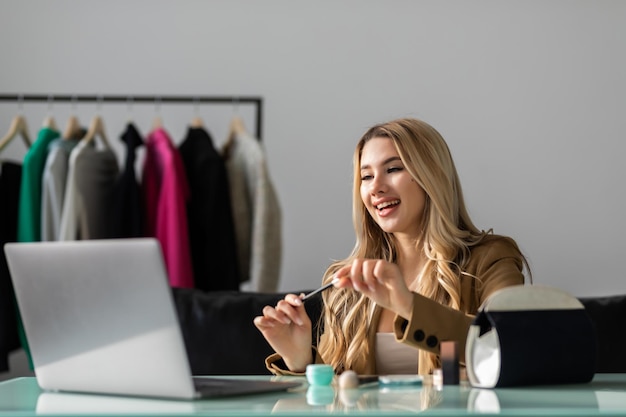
219 333
608 315
221 338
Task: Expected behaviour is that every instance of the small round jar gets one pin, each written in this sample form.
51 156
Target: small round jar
319 374
320 395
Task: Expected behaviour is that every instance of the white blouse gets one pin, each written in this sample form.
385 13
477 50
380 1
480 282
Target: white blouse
393 357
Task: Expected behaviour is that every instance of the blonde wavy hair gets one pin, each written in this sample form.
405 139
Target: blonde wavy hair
447 236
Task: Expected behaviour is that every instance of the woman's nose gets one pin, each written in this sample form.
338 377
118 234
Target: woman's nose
378 185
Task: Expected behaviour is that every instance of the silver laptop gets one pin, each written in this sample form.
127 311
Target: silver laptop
99 317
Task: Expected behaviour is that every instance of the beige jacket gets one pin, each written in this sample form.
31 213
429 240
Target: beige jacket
256 214
496 262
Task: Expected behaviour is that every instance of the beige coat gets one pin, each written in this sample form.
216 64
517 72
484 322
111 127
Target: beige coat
496 262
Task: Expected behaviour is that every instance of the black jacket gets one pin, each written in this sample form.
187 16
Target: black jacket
10 179
211 230
127 220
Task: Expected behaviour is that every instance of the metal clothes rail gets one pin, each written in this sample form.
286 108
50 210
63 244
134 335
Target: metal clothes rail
156 99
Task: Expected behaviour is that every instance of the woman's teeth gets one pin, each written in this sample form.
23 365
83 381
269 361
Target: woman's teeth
387 204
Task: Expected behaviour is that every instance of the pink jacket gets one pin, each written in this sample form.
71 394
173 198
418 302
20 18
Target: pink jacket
166 192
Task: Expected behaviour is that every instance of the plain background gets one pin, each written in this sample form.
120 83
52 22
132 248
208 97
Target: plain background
530 95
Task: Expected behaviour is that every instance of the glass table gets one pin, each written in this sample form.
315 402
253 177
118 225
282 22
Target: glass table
604 396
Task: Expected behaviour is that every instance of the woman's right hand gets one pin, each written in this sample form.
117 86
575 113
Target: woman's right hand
287 328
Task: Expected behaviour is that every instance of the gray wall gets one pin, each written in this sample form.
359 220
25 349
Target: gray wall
529 94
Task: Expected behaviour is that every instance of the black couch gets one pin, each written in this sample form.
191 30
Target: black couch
221 338
219 332
608 315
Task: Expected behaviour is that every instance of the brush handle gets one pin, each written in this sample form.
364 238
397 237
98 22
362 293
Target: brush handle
320 289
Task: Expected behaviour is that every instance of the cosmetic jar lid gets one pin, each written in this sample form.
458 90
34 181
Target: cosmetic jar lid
318 374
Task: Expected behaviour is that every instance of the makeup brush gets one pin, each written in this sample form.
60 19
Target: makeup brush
320 289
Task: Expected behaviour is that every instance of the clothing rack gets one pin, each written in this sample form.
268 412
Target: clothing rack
156 99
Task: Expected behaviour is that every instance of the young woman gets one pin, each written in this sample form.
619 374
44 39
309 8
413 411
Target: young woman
418 273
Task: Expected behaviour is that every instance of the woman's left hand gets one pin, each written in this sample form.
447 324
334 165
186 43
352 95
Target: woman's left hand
379 280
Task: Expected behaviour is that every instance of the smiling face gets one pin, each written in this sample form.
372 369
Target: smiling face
394 200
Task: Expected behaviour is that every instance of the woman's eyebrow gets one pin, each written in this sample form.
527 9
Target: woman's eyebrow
385 162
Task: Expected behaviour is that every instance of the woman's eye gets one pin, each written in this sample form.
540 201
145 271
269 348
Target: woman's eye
366 177
394 169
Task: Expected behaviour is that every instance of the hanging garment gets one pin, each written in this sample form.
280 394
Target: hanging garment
256 213
29 209
10 178
211 230
29 217
165 193
127 220
53 187
88 193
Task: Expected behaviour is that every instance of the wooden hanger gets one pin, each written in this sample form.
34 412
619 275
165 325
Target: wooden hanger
235 129
18 127
50 123
157 123
96 128
196 122
71 127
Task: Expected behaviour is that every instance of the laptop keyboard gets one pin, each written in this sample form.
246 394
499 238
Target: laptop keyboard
219 387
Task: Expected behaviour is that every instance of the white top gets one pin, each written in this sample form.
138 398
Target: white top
393 357
53 187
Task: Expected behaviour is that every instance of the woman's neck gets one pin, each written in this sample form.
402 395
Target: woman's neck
410 260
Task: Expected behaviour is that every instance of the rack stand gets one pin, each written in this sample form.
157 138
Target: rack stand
232 100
